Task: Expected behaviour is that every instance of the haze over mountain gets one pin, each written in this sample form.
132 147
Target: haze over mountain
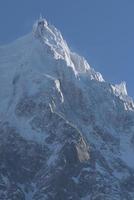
65 133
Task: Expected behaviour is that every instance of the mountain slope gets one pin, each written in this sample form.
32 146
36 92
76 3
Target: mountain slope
65 133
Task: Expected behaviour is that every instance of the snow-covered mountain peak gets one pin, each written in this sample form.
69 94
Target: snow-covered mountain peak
71 132
47 32
51 37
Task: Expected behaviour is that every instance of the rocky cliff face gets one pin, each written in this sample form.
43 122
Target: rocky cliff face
65 133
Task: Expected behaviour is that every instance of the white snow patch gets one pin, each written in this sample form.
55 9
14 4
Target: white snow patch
57 83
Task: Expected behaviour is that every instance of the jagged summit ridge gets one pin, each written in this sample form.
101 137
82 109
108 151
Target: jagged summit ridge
51 36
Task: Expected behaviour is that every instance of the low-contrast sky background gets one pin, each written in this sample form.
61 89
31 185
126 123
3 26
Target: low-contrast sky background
100 30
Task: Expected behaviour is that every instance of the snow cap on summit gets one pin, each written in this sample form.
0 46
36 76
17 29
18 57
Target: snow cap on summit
51 37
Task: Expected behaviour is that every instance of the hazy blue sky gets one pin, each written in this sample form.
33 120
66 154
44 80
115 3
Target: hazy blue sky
101 30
